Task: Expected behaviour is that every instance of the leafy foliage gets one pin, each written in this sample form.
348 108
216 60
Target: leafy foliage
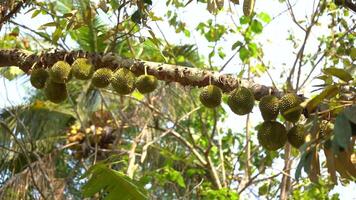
113 183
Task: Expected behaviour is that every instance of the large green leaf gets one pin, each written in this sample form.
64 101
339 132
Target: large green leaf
350 113
113 183
342 131
328 92
340 73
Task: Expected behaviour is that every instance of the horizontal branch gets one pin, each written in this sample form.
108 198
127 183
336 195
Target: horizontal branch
186 76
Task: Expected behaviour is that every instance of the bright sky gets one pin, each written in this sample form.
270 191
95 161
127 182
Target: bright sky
278 52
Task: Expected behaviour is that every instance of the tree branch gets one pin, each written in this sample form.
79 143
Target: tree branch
186 76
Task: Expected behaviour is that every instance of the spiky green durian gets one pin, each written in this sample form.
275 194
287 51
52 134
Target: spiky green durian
38 77
146 83
60 72
269 107
241 101
82 69
55 92
272 135
210 96
123 81
296 136
290 108
101 77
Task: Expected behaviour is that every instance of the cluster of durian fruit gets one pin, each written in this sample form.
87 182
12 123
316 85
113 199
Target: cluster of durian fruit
82 141
272 135
53 81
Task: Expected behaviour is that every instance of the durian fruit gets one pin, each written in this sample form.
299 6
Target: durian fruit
269 107
211 96
38 77
60 72
290 108
82 69
55 92
123 81
272 135
101 77
241 101
146 83
296 136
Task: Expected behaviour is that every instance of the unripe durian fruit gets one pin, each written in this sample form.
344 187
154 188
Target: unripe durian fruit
211 96
241 101
60 72
101 77
269 107
272 135
290 108
123 81
146 83
55 92
296 136
38 77
82 69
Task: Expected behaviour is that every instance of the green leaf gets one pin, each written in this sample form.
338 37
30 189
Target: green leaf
350 113
49 24
263 190
256 26
340 73
236 44
244 20
137 17
113 183
244 54
342 131
328 92
148 2
221 53
56 35
35 13
264 17
304 162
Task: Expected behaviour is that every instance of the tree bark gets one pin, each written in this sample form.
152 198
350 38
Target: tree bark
286 181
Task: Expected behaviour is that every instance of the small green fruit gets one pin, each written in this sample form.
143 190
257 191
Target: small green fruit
123 81
290 108
211 96
38 77
60 72
82 69
55 92
101 77
241 101
269 107
146 83
272 135
296 136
